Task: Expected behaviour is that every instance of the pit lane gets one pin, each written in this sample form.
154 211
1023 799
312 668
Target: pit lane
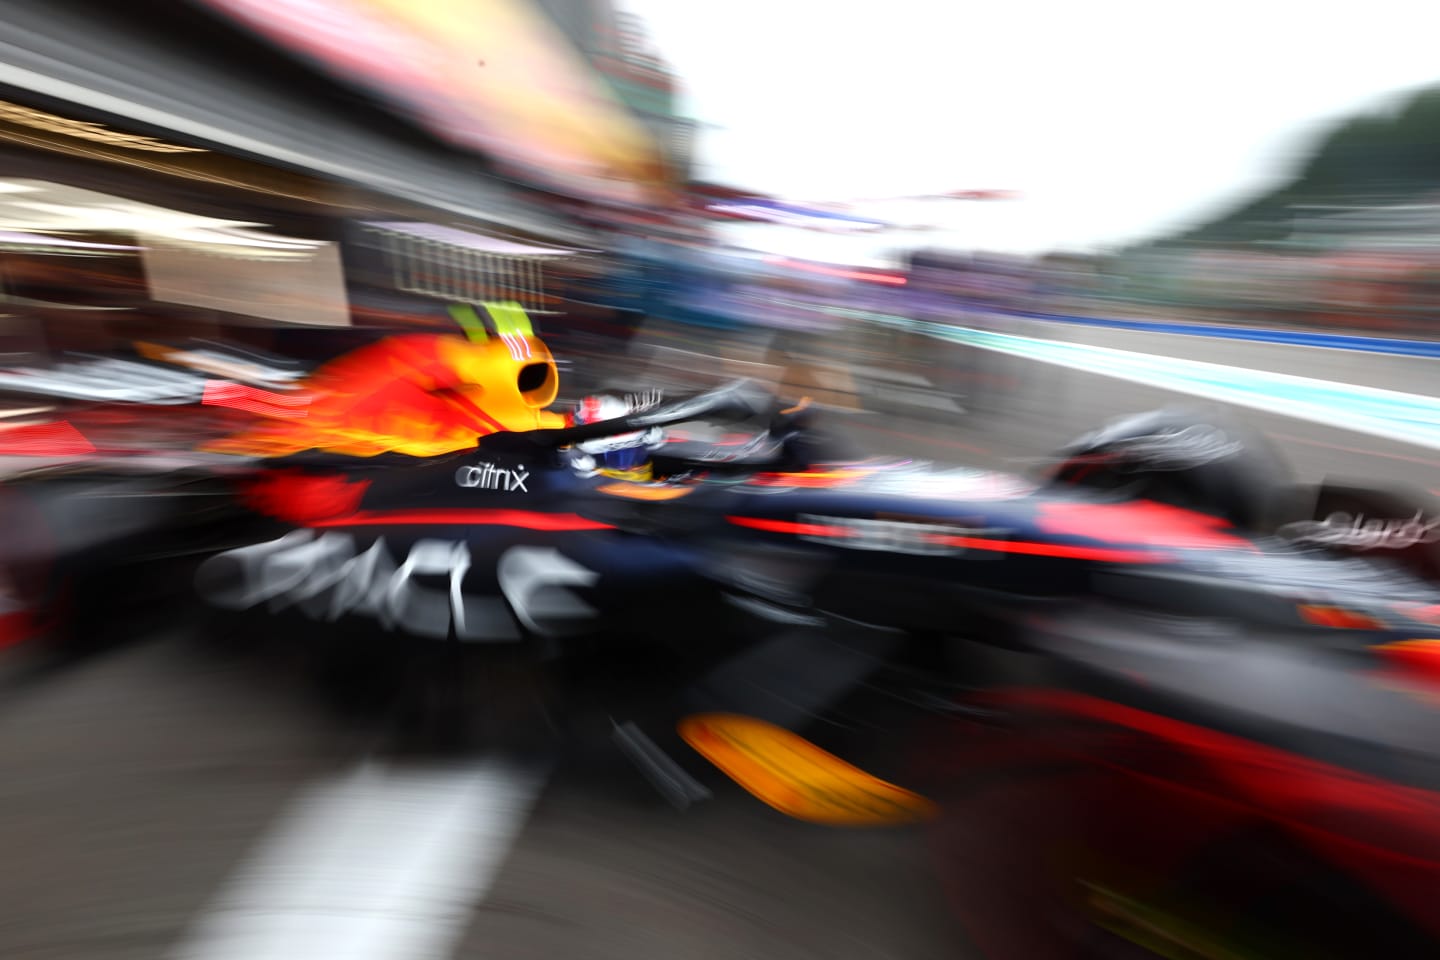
145 788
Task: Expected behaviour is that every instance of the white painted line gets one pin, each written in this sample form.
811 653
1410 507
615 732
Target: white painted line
1315 413
1149 370
383 864
1228 371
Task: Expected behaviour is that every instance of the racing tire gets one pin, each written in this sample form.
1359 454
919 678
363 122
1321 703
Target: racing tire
1203 462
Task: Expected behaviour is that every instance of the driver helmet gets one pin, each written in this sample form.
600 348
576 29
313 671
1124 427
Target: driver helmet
626 455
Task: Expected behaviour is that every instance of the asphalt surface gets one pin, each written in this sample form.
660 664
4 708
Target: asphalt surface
165 799
141 784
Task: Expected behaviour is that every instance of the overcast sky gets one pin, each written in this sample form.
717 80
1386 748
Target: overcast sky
1113 120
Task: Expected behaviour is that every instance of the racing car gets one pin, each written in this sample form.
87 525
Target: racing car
784 604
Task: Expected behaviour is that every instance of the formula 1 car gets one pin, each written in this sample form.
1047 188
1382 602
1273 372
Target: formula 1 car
1161 579
526 541
529 540
1165 700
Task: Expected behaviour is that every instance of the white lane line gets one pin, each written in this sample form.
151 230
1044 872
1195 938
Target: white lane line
384 864
1207 380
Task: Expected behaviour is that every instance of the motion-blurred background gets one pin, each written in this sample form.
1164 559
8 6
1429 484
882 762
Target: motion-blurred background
968 231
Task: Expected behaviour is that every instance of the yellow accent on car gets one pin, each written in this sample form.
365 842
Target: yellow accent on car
798 778
644 491
464 315
510 319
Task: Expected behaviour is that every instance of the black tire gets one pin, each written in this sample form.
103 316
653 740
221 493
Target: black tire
1198 461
